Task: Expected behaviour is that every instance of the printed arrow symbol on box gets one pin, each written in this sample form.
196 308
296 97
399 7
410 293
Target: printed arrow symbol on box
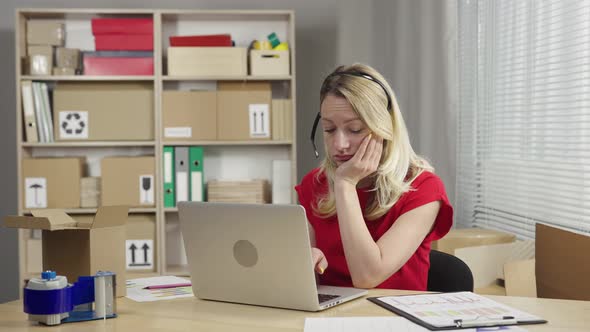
145 250
133 248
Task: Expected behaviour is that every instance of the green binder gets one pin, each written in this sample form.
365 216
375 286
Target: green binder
197 177
169 175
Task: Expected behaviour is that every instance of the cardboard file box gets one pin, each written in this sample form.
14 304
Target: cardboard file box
45 32
128 180
207 61
471 237
67 58
269 63
189 115
243 111
252 191
140 246
103 111
73 248
89 192
40 59
51 182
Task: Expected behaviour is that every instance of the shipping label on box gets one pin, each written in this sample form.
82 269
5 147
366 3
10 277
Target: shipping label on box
73 125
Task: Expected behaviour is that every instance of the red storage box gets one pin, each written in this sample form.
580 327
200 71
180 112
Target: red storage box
124 42
202 40
118 65
122 26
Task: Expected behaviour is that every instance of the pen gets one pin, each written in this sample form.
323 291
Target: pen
167 286
506 320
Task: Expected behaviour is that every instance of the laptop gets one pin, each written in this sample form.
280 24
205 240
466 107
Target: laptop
256 254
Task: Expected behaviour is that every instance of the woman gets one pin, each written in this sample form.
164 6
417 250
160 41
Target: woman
373 204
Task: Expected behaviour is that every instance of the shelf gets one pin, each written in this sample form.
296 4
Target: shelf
87 78
227 78
191 143
97 144
93 210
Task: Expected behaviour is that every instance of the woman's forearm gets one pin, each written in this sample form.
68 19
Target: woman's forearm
363 255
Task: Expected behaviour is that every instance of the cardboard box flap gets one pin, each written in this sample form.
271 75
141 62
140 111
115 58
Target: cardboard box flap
109 216
47 219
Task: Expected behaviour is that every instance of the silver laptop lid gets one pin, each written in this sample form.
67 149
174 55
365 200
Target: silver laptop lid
249 253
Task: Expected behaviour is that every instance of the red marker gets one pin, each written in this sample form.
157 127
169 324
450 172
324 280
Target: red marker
168 286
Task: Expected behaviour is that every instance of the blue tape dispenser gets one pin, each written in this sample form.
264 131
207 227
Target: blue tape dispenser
50 300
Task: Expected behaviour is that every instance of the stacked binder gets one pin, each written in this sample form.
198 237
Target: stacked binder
37 112
183 175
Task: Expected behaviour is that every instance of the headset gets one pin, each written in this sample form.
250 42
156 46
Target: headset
352 73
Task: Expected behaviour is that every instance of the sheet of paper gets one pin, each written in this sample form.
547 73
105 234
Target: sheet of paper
136 291
378 324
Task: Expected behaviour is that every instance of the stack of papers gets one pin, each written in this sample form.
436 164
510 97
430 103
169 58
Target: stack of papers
165 289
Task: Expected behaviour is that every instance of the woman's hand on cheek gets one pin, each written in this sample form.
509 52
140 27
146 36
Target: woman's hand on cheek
364 162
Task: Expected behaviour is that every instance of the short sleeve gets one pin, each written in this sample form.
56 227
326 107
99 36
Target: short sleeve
428 188
305 188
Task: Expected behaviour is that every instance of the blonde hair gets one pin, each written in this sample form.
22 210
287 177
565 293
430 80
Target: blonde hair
399 164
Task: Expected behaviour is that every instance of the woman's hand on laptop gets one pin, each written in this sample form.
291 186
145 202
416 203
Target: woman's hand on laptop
320 262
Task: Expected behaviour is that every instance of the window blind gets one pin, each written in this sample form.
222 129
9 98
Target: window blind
523 148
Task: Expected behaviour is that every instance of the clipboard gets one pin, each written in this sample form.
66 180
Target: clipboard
451 311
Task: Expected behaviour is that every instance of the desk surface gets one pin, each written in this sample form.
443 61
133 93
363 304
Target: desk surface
191 314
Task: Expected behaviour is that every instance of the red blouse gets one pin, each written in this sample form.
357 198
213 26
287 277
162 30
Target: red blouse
413 275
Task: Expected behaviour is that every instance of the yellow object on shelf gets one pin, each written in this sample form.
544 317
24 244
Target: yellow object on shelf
282 47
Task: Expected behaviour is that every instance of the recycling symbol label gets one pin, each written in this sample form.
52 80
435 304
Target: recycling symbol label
73 125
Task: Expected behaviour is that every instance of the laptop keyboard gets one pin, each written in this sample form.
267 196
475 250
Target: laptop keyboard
326 297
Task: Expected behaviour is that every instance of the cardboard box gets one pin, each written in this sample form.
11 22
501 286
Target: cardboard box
243 110
75 249
89 192
470 237
40 64
128 181
487 262
189 115
63 71
45 32
103 111
269 63
67 58
51 182
562 264
141 232
207 61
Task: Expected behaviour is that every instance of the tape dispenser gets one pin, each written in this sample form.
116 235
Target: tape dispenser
50 300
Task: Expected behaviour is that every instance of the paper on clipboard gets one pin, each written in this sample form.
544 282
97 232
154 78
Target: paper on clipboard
448 310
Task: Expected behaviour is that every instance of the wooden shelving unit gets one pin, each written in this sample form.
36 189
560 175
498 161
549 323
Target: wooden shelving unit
243 25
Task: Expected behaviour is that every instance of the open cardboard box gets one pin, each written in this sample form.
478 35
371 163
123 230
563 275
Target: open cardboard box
75 249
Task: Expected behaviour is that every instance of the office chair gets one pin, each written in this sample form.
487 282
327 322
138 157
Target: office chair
448 273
